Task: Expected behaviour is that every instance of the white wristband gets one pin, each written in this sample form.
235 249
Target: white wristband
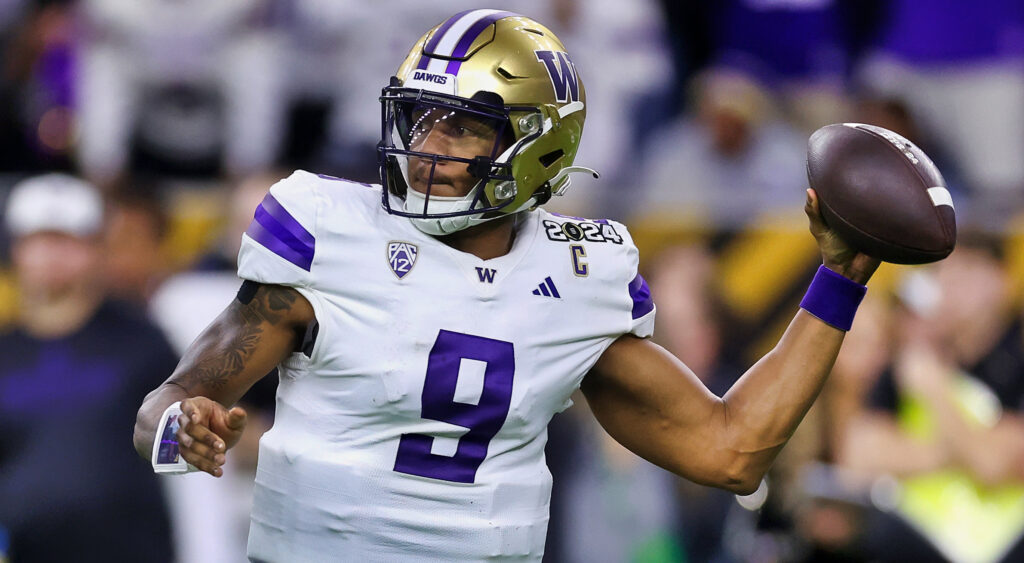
166 458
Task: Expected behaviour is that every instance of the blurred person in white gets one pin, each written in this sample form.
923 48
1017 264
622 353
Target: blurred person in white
211 518
960 67
134 51
135 262
36 86
729 162
71 370
947 418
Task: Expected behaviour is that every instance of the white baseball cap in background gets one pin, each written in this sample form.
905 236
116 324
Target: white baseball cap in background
56 203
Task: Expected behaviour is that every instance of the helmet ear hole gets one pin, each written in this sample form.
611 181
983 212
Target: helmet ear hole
550 158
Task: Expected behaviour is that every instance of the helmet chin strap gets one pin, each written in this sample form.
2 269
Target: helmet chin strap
415 202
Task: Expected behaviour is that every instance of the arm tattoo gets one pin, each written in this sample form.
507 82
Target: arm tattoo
233 341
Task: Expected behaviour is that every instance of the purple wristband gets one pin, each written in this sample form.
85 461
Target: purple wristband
833 298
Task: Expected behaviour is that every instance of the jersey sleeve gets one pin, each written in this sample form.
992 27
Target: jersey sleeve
642 311
279 247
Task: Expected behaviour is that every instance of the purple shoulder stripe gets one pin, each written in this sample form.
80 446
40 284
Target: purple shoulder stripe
641 294
470 36
276 229
271 206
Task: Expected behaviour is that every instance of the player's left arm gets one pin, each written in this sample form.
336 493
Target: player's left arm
654 405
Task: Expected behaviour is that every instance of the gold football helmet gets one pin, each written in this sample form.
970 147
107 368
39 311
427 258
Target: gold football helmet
506 82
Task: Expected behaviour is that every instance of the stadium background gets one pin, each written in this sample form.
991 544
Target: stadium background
698 115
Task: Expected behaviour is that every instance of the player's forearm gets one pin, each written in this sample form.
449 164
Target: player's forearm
764 408
238 349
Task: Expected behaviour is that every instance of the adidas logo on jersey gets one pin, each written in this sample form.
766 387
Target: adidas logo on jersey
547 289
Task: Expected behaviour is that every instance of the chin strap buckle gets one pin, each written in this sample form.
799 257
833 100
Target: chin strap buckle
480 168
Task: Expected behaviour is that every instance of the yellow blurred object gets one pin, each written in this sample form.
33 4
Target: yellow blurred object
8 298
764 261
965 520
1014 251
655 232
196 217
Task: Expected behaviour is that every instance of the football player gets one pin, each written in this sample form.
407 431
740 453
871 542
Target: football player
427 329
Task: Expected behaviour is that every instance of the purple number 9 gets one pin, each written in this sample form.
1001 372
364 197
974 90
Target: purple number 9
483 420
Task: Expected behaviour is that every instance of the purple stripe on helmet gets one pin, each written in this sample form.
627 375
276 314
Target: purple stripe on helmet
641 294
268 237
271 206
470 36
436 38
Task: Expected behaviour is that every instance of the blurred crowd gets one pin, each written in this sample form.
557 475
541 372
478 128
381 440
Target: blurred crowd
138 136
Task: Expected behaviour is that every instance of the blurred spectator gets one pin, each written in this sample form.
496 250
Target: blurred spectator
802 49
619 49
135 261
728 164
692 326
613 505
960 67
946 419
824 503
71 372
211 516
36 84
184 81
607 504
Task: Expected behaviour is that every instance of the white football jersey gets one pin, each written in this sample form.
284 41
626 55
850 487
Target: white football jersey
414 429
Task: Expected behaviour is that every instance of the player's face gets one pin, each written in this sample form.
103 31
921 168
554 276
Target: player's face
448 132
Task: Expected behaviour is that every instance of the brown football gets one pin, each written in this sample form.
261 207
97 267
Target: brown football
881 193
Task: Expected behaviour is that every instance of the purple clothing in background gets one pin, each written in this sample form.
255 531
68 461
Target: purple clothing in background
952 31
781 40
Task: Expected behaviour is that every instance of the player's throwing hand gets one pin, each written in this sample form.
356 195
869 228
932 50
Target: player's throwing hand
836 254
207 431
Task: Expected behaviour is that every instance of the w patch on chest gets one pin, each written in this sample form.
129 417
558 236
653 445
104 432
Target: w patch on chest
401 257
486 274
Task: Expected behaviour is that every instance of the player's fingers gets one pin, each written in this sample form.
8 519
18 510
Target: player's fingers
813 212
199 454
202 463
236 419
203 435
196 409
201 450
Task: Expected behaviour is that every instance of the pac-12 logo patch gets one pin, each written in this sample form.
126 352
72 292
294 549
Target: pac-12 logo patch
562 73
401 257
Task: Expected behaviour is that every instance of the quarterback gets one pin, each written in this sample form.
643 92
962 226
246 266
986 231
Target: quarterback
427 329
